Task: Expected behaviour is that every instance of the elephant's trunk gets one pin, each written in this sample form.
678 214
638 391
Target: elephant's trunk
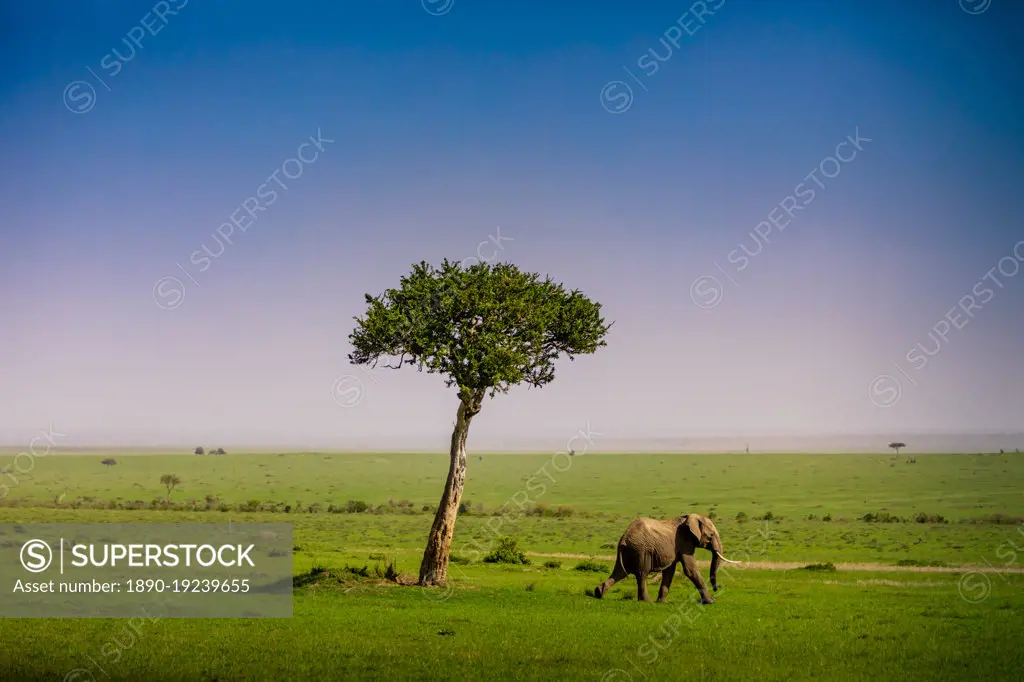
715 560
716 557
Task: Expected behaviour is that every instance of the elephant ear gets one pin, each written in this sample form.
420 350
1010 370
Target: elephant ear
693 523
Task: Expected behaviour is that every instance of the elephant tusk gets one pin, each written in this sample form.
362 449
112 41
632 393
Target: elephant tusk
729 561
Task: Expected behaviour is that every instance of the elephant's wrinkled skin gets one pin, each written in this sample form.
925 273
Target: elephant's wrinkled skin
651 545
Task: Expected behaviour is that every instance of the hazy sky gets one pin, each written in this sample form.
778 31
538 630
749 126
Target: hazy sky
437 130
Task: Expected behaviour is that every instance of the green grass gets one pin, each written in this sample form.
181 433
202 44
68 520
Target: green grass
792 486
504 621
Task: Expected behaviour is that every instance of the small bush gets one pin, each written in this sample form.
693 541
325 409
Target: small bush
915 562
530 587
767 516
881 517
590 566
929 518
507 552
741 517
820 567
363 572
389 572
377 556
459 559
812 517
826 517
552 564
356 507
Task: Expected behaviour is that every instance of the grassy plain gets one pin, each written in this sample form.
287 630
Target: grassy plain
533 622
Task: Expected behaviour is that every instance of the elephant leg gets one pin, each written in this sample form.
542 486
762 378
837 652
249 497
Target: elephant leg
690 569
618 573
641 587
666 582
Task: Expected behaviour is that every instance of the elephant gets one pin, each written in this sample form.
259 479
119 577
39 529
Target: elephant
652 545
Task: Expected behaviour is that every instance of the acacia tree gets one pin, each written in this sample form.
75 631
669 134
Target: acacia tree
170 481
487 328
896 446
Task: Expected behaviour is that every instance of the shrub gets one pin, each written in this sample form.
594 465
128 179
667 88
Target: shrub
590 566
820 567
356 506
812 517
881 517
741 517
363 572
507 552
929 518
826 517
426 508
530 587
552 564
389 572
915 562
377 556
459 559
767 516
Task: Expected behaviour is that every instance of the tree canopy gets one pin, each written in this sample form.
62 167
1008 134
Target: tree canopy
485 327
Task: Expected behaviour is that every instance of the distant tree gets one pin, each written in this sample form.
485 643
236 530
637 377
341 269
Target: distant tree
1001 451
170 481
109 462
572 452
896 446
485 327
219 451
200 451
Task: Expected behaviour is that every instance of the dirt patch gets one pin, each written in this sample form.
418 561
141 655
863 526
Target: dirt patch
888 583
790 565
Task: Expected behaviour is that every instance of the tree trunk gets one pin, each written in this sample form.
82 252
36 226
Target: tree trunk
434 567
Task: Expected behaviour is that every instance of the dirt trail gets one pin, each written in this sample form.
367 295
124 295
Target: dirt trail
789 565
769 565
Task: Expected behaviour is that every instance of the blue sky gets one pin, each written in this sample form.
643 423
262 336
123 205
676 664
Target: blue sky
443 129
